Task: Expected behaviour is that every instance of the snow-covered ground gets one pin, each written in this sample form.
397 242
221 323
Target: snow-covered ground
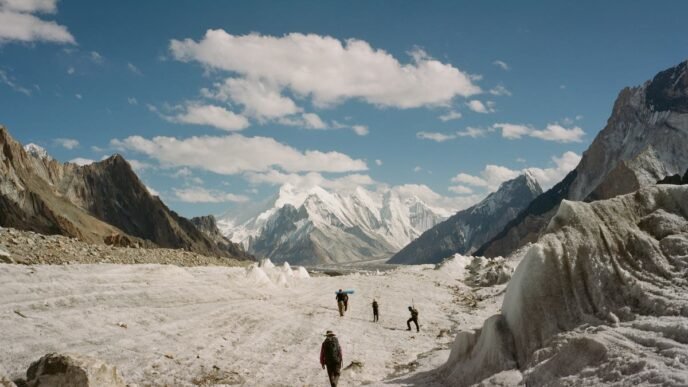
257 327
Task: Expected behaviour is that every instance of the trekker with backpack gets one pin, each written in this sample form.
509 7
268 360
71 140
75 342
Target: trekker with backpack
331 357
342 301
375 315
414 318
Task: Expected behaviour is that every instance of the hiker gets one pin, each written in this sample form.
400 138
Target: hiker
346 302
414 318
341 302
331 357
375 315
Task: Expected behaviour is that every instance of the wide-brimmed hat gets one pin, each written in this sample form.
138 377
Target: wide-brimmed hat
329 333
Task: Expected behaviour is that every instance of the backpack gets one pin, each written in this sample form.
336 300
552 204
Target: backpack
331 349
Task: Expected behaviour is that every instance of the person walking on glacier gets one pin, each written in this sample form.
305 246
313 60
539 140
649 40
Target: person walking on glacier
414 318
375 310
342 299
331 357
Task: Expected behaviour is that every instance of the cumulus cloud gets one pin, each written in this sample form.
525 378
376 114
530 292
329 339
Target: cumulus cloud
360 130
67 143
328 70
558 133
19 23
210 115
479 107
461 189
378 162
472 132
236 154
493 175
500 90
202 195
132 101
501 64
260 99
311 179
81 161
450 115
552 132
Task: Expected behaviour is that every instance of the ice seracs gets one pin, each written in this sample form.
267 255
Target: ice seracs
600 299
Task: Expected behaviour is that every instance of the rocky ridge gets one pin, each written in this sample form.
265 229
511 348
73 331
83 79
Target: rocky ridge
104 202
468 229
30 248
645 140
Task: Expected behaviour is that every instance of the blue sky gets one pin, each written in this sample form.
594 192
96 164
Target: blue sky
218 103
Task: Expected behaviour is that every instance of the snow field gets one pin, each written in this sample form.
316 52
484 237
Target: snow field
257 327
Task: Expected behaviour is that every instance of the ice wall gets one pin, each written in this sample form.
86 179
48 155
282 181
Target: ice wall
602 298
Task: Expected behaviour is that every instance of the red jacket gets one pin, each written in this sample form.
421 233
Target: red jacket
322 354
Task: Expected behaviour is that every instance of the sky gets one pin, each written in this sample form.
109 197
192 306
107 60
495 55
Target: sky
216 104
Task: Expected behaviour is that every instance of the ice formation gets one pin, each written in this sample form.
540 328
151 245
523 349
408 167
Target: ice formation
266 273
599 300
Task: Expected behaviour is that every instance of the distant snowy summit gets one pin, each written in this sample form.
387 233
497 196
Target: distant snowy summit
319 226
467 230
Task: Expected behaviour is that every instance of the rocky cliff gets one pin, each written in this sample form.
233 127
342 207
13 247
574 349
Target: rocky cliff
645 139
104 202
467 230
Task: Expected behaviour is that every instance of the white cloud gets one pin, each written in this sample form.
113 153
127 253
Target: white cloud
70 70
81 161
260 99
328 70
558 133
552 132
503 65
7 80
182 172
202 195
378 162
493 175
435 136
18 22
547 177
417 169
479 107
96 57
500 91
461 190
313 121
132 101
450 115
310 179
442 137
513 131
437 201
472 132
134 69
78 96
139 166
236 154
211 115
520 160
67 143
360 130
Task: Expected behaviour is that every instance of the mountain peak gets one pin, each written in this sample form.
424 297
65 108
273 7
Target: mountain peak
37 151
668 90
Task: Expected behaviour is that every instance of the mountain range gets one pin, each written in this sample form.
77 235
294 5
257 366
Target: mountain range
467 230
104 202
319 226
645 140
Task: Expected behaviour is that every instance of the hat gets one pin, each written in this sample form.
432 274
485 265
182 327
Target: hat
329 333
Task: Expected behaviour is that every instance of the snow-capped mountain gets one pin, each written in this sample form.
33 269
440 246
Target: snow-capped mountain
645 139
468 229
316 225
